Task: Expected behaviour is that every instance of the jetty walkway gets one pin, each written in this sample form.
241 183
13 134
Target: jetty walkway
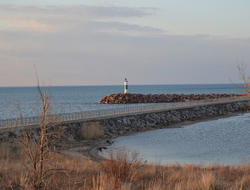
127 109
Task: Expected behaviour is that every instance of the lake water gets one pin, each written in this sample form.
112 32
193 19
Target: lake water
83 98
221 141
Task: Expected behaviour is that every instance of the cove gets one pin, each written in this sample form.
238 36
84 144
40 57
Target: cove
222 141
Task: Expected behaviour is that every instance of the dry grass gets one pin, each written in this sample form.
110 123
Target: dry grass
118 174
9 151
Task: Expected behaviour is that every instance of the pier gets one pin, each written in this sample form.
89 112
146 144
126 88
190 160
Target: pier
128 109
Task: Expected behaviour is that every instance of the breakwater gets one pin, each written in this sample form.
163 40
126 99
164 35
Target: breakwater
117 125
165 119
159 98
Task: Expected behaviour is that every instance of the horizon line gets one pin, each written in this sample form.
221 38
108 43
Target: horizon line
31 86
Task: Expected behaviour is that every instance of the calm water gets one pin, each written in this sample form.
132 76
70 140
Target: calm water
75 99
222 141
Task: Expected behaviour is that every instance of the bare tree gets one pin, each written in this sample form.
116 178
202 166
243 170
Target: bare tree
43 127
245 79
39 143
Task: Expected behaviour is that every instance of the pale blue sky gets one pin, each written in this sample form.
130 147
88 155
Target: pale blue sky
103 41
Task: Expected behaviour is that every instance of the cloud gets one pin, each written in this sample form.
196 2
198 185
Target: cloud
15 23
80 10
77 58
97 50
126 28
59 18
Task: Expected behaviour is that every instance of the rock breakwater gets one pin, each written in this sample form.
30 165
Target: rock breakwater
127 124
159 98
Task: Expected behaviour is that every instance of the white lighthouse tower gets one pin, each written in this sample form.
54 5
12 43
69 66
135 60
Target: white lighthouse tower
125 86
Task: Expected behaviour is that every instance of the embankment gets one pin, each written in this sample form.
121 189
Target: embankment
131 123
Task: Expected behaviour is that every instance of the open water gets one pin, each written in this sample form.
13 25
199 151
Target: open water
224 141
83 98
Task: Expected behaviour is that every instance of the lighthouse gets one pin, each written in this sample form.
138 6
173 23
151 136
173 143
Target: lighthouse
125 86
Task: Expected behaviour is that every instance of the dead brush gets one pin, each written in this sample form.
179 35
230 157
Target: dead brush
121 168
10 151
39 145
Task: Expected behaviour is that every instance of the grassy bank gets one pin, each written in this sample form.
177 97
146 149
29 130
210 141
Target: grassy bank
66 172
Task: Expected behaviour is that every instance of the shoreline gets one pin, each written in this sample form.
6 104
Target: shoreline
93 148
105 129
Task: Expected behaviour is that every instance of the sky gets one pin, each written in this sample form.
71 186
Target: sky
100 42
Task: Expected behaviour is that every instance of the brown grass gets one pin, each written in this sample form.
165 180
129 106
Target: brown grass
118 174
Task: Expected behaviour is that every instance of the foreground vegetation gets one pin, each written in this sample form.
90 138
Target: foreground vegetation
64 172
32 163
